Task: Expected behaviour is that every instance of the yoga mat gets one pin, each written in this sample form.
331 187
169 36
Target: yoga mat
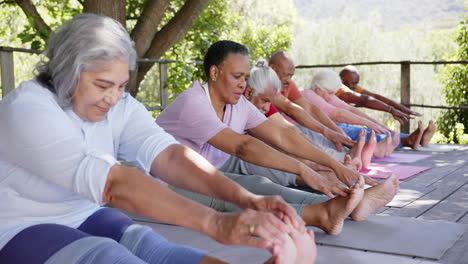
383 171
402 158
435 148
396 235
243 254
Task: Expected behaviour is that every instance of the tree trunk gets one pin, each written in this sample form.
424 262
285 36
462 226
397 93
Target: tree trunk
172 32
30 10
110 8
147 25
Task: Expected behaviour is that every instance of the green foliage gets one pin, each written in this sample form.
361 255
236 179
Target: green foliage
54 13
263 26
352 38
455 79
455 136
238 21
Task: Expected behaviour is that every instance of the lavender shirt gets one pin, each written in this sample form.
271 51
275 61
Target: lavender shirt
192 120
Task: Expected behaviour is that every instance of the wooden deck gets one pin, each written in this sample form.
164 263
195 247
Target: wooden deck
448 201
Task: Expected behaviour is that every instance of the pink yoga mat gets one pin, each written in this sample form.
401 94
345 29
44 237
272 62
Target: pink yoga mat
402 158
383 171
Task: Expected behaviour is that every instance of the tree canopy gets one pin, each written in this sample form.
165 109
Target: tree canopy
177 30
455 80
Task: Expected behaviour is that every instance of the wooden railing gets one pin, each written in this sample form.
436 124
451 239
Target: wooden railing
8 77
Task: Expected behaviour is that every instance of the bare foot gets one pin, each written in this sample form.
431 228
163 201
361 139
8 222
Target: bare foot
428 133
330 215
393 144
368 150
351 163
381 147
356 150
414 138
375 197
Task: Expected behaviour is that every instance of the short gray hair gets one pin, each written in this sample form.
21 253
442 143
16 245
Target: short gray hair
261 76
80 44
326 80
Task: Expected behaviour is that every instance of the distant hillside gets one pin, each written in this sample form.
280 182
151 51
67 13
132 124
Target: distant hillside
394 13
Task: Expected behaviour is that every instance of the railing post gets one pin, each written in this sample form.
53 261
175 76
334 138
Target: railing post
163 91
8 71
405 91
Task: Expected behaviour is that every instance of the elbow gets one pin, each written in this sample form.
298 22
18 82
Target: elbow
242 149
114 189
337 116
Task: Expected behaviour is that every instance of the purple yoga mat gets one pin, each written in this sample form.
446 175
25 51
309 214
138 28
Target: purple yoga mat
383 171
402 158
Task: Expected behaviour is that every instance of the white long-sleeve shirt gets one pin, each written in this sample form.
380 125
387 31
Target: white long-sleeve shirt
54 165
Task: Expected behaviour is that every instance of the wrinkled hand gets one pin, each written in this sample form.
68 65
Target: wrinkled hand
349 176
284 252
250 227
276 205
305 245
318 167
338 139
377 128
400 116
324 184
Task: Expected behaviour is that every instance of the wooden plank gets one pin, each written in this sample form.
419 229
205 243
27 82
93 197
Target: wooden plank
452 208
8 72
443 165
163 91
444 188
405 91
464 219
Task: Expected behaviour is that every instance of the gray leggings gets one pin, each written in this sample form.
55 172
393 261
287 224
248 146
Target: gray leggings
322 143
258 185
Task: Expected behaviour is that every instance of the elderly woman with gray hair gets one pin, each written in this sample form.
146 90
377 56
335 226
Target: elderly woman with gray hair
60 136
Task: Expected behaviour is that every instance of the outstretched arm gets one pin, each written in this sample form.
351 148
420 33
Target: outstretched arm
344 116
392 103
252 150
318 114
290 142
373 103
132 190
297 113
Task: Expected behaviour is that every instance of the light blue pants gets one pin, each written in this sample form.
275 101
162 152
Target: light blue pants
353 133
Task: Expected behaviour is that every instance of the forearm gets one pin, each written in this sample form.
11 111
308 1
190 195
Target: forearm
375 104
363 116
131 190
323 118
204 178
259 153
306 120
344 116
392 103
298 146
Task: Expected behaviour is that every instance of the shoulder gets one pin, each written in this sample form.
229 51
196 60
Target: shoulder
30 97
292 86
191 101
